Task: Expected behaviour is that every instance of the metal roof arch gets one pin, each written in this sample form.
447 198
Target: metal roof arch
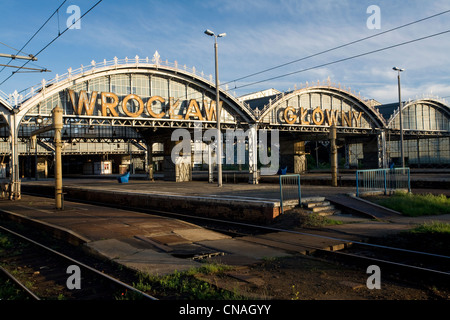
372 112
5 110
47 89
436 103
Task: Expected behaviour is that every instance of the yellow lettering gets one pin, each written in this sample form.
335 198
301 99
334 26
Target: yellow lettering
125 107
290 118
346 119
303 113
193 110
172 107
357 118
318 111
331 117
83 101
210 111
111 106
149 106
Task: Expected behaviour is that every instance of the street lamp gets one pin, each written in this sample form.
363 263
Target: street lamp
39 121
219 138
400 114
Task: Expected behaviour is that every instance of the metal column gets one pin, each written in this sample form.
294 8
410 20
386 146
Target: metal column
253 154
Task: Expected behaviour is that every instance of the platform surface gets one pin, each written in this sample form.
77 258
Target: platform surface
160 245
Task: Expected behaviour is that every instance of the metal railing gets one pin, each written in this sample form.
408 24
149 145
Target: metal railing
382 180
17 98
289 189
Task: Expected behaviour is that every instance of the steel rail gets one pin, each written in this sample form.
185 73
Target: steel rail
267 228
85 266
294 232
20 284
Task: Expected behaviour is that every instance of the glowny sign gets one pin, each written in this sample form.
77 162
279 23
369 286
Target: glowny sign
111 106
321 117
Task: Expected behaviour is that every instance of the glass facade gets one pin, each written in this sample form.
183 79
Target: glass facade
311 107
422 116
175 96
423 151
331 108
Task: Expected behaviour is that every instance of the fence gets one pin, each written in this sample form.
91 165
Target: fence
382 180
289 189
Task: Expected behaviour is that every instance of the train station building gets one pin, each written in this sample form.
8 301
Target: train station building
130 114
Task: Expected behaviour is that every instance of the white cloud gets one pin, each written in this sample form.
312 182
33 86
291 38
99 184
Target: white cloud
265 33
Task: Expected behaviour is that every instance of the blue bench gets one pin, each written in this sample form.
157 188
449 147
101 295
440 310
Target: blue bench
124 178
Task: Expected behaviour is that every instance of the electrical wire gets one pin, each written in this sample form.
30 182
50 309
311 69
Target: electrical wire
345 59
338 47
54 39
18 51
32 37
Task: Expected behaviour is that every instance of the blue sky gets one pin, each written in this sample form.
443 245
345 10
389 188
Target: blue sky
260 34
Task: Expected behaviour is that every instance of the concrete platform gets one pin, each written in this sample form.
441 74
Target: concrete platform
237 202
234 202
160 245
144 242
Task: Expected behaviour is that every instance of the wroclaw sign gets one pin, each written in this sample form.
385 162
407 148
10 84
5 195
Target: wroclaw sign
320 117
111 106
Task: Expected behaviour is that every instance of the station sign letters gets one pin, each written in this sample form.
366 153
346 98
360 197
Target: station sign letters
110 105
320 117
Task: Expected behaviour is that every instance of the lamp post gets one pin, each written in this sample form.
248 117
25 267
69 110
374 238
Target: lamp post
39 121
400 118
219 138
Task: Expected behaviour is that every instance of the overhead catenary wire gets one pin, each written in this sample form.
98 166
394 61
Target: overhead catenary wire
32 37
18 51
53 40
344 59
337 47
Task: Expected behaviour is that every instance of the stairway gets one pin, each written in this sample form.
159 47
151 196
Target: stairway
319 206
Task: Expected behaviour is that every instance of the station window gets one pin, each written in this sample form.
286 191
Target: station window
140 85
120 84
99 84
160 87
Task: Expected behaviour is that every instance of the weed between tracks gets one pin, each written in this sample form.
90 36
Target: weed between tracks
187 285
433 227
428 237
299 218
414 205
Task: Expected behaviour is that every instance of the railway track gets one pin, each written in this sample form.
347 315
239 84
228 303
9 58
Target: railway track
43 273
401 263
410 265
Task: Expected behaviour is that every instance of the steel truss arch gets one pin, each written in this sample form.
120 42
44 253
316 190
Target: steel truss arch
437 104
375 116
238 109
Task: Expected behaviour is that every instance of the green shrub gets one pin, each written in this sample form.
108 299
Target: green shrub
434 227
414 205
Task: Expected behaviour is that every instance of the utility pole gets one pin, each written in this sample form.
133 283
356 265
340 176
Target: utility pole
219 134
400 109
333 155
57 115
